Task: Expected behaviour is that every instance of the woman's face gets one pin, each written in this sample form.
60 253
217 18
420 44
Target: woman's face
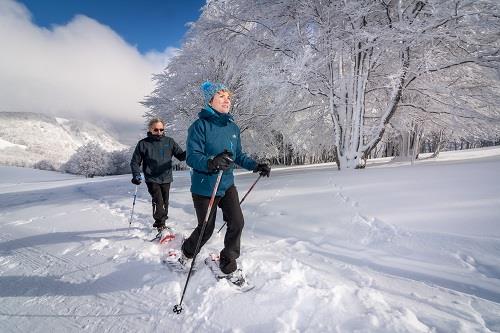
221 101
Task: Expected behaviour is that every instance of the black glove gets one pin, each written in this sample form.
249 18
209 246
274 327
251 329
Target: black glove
221 161
136 180
263 169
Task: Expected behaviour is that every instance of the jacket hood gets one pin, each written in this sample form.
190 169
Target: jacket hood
213 116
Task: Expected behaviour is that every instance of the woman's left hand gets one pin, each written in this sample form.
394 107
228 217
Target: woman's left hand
263 169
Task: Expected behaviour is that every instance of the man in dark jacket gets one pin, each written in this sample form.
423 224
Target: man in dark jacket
155 153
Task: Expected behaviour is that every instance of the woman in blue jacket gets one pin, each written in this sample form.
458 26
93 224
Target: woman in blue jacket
213 144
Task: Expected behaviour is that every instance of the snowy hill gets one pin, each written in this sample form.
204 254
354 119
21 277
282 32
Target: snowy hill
26 138
392 248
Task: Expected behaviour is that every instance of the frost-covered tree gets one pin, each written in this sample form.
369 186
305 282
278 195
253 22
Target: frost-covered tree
454 104
365 58
119 161
340 75
177 97
261 105
89 160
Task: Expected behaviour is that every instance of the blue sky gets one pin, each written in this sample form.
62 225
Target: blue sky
146 24
89 59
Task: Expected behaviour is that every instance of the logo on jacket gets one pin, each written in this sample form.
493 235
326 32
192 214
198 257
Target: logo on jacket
234 136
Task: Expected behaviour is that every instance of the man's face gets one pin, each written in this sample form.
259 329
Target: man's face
157 129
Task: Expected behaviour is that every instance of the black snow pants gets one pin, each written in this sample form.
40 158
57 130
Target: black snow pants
159 194
230 205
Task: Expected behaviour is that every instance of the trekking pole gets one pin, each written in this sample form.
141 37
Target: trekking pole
248 192
133 206
178 307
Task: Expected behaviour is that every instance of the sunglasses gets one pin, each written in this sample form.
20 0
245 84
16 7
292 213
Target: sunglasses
158 129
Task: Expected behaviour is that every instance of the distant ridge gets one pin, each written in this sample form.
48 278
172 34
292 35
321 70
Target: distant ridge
27 138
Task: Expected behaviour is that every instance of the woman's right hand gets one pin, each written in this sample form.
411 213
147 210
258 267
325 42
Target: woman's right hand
221 161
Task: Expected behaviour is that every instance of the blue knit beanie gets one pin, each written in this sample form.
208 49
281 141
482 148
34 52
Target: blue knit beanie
209 89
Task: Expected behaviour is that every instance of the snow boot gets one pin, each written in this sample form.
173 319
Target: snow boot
160 225
236 278
177 261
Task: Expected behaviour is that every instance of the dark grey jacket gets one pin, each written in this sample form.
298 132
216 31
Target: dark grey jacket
155 154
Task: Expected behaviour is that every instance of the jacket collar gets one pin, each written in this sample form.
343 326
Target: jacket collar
213 116
153 137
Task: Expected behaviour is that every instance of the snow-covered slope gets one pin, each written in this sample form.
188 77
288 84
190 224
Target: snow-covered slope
392 248
26 138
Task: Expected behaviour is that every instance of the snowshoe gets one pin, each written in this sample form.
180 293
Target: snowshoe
236 279
177 261
164 235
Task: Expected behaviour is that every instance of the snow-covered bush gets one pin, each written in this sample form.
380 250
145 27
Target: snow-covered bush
120 161
44 165
89 160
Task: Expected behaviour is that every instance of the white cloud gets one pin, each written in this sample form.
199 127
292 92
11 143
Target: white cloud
161 59
82 70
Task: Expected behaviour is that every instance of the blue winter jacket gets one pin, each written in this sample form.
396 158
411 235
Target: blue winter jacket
208 136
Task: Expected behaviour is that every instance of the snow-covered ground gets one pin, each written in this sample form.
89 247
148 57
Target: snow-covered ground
392 248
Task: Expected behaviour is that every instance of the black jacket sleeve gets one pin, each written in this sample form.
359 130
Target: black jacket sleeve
178 152
135 163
